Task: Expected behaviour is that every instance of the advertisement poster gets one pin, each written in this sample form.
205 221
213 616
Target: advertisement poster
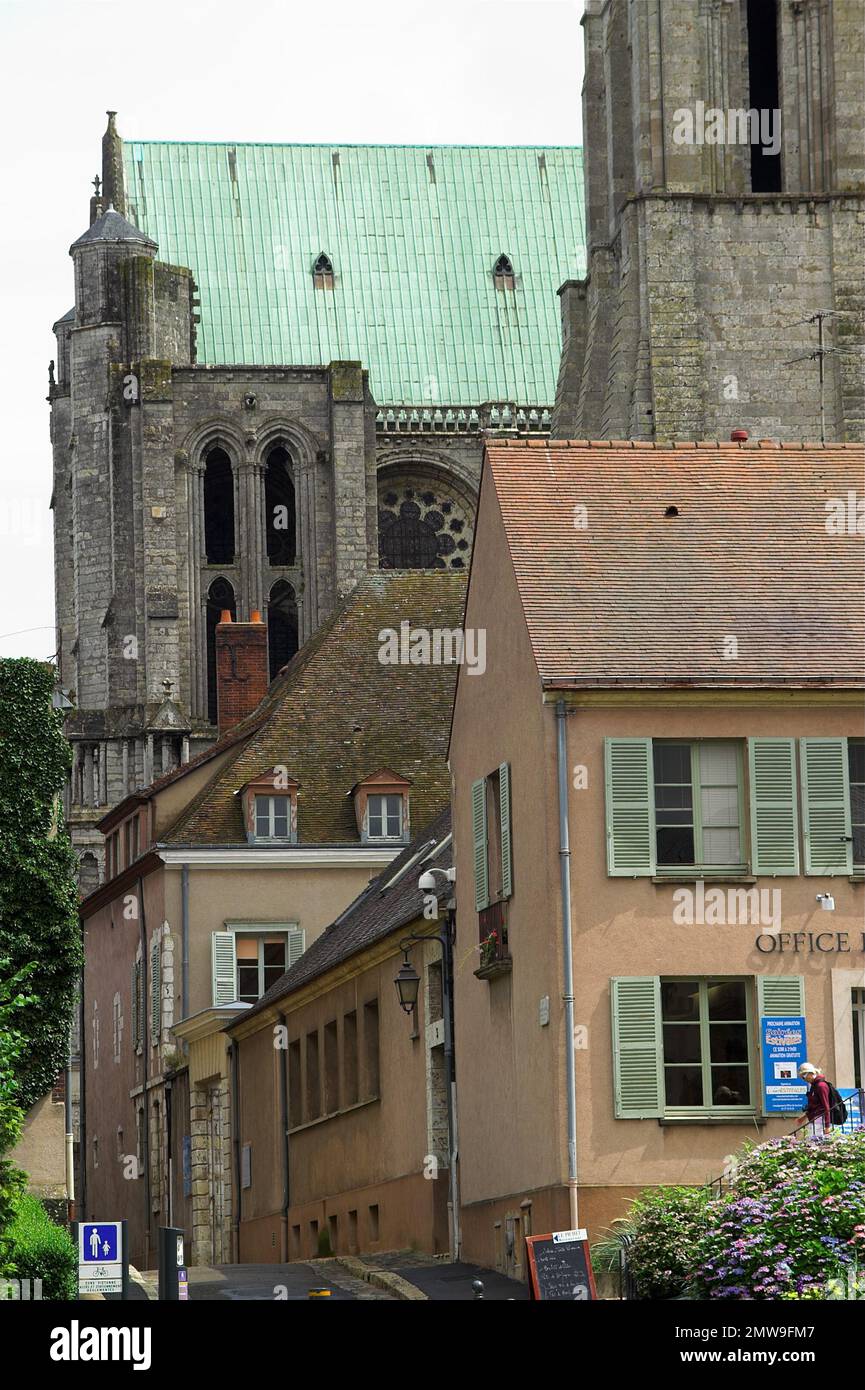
784 1051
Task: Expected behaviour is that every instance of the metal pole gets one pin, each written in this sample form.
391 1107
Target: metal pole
447 992
567 959
821 359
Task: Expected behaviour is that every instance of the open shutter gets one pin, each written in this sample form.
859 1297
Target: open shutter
638 1056
505 820
294 948
630 806
826 806
224 974
774 823
780 996
479 835
155 992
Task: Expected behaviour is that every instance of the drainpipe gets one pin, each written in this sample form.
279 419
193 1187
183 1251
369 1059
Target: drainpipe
234 1062
145 1043
567 957
184 940
283 1096
450 1074
82 1101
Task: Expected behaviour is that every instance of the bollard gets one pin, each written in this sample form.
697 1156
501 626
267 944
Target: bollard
478 1286
318 1293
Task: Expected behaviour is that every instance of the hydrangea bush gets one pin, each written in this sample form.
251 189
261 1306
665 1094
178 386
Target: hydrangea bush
667 1223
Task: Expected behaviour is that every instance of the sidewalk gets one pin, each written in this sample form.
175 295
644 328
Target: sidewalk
409 1275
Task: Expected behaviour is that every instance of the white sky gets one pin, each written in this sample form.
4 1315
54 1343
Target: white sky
396 71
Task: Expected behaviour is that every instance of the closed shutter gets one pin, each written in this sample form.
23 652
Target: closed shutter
479 835
826 806
629 807
774 822
141 967
155 993
780 996
224 975
295 948
505 819
638 1056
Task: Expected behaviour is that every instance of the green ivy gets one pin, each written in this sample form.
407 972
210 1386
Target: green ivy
38 891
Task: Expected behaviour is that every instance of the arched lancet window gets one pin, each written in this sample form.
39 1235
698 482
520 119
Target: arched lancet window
218 509
88 874
503 273
281 626
220 595
322 272
280 518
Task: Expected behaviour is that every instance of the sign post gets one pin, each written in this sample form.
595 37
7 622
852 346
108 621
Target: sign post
560 1267
103 1257
173 1279
784 1050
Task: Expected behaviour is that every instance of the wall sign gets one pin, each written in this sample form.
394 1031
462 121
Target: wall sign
560 1267
784 1050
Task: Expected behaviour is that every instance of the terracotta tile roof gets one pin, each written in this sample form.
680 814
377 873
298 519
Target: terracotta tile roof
643 596
390 901
337 714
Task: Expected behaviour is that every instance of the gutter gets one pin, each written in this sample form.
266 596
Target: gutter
567 958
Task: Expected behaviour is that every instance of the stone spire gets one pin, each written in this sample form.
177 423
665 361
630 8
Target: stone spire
113 191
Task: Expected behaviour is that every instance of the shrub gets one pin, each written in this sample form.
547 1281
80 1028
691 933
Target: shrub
792 1223
667 1223
12 1042
41 1250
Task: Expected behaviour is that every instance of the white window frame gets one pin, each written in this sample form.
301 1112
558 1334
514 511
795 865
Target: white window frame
385 815
271 798
697 826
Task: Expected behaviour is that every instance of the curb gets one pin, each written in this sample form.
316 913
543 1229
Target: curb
151 1289
381 1279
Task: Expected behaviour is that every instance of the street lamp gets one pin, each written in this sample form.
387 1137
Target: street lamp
407 985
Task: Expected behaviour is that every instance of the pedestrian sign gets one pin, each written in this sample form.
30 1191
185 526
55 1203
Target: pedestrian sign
100 1257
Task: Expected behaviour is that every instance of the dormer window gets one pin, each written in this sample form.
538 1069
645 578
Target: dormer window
322 273
503 273
269 804
381 807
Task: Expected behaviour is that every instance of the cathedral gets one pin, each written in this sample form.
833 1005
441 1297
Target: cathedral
278 373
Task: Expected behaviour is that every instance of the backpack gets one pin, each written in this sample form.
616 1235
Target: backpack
837 1108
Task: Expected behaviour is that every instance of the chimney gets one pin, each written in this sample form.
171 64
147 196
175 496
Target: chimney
242 675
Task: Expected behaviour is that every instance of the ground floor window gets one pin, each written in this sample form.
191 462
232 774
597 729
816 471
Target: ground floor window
706 1043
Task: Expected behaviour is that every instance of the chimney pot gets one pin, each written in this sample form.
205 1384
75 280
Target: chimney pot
739 436
225 616
255 616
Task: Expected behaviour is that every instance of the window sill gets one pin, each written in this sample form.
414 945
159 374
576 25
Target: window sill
695 876
503 966
334 1114
738 1119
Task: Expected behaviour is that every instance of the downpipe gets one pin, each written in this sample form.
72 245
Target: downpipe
567 958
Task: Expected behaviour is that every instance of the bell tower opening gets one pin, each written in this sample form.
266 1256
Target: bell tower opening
763 87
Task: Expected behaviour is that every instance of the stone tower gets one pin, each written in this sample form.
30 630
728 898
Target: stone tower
724 190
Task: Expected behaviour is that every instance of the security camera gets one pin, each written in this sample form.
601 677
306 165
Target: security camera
826 901
426 883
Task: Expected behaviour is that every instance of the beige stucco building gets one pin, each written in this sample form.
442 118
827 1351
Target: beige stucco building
663 761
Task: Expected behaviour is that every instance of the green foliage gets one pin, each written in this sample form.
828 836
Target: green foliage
793 1222
38 893
41 1250
12 1001
667 1223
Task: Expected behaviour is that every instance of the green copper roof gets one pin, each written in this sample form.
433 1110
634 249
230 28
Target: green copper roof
413 233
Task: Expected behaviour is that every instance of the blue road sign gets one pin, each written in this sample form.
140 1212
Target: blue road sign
99 1243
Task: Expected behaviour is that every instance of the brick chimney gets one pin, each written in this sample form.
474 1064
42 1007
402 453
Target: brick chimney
242 674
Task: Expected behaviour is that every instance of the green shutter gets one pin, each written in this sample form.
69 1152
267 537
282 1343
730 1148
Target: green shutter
479 835
638 1056
781 996
774 822
630 806
826 806
224 976
505 818
155 993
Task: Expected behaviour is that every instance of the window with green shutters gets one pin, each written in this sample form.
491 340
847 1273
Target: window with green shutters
856 765
155 993
826 805
683 1047
630 806
773 795
491 834
137 1001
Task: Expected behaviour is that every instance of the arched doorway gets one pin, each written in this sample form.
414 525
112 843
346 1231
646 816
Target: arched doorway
280 514
281 626
220 595
218 508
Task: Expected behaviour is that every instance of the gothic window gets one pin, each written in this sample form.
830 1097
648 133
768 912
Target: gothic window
424 521
218 509
322 273
220 595
762 21
503 273
280 516
281 626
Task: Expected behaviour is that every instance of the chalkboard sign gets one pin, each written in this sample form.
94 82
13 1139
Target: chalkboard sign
560 1267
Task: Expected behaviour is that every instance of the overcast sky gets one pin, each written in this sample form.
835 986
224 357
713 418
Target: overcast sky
395 71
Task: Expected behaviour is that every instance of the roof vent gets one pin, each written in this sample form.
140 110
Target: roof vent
672 511
738 436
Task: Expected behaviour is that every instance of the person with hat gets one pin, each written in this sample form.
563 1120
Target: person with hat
817 1104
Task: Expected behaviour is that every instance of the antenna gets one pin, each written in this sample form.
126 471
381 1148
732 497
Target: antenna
821 352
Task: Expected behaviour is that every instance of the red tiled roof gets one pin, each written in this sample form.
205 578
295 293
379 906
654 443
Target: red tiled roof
641 596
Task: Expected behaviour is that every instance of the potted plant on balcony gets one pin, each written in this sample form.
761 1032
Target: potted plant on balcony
494 958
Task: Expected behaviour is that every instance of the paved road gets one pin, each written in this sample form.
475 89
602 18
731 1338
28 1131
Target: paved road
440 1280
278 1282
